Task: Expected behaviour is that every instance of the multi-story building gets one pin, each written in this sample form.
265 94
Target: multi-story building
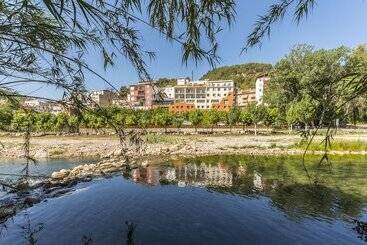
203 95
35 104
245 97
141 95
261 84
102 98
168 93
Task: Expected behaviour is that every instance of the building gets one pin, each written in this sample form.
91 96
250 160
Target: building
226 103
261 84
35 104
168 93
120 102
181 107
245 97
141 96
202 94
102 98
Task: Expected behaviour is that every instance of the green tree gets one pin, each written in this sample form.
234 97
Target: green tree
6 116
246 117
195 118
233 117
130 120
74 123
178 121
302 112
42 121
144 118
258 113
162 118
23 120
210 119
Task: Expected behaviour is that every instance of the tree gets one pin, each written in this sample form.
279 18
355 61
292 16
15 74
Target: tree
318 77
6 116
178 121
162 118
258 113
303 112
233 117
246 117
195 118
42 121
46 41
130 120
144 118
210 119
23 120
74 123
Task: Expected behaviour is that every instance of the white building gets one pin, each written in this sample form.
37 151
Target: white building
202 94
168 92
261 83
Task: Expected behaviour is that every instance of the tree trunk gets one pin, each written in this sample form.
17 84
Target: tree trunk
255 128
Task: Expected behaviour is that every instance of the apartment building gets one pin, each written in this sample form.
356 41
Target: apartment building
245 97
261 84
35 104
203 94
102 98
141 95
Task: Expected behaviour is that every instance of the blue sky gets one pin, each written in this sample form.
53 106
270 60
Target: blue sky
332 23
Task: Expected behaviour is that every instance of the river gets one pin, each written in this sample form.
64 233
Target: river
205 200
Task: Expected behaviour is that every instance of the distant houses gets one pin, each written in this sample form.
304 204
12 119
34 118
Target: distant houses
184 96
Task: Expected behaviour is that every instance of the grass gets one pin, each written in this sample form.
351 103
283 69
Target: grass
336 145
161 138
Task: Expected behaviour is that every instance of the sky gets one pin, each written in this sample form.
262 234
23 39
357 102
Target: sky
331 24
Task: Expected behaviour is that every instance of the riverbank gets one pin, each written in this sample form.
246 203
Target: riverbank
99 147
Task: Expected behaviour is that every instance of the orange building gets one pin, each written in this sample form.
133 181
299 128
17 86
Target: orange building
245 97
181 107
225 104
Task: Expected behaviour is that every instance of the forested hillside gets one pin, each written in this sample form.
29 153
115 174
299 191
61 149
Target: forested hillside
244 75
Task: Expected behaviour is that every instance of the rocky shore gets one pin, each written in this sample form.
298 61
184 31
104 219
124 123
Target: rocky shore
108 146
26 193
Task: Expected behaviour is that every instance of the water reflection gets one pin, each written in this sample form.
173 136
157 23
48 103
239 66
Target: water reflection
184 175
286 184
207 200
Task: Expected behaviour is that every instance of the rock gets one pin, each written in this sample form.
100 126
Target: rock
145 163
7 211
41 154
29 201
63 173
117 152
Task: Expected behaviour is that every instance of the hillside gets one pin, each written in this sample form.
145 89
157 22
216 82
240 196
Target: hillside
243 75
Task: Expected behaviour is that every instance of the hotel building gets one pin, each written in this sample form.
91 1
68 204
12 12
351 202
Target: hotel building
205 94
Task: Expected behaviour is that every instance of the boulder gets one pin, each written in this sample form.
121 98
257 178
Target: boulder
63 173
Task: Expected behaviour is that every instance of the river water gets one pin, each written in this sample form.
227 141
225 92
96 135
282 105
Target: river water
206 200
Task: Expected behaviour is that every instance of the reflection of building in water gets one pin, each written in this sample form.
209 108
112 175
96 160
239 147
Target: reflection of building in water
170 174
204 175
193 175
258 181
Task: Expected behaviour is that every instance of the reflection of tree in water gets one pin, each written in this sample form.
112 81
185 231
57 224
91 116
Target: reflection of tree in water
131 227
361 229
299 200
29 231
